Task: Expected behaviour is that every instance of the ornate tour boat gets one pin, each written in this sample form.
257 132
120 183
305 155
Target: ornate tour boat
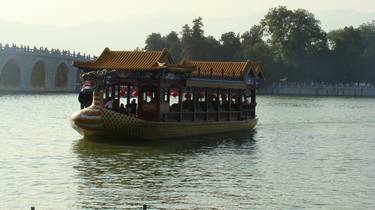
144 94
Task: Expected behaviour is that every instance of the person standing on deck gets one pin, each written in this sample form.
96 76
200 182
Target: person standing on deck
133 107
85 99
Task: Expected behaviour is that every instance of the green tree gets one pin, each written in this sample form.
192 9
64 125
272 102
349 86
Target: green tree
295 37
294 33
231 46
154 42
173 43
186 41
288 43
368 39
256 49
347 48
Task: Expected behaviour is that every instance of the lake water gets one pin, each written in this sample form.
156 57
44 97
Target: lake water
306 152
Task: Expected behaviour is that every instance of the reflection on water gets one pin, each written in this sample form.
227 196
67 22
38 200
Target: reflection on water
163 174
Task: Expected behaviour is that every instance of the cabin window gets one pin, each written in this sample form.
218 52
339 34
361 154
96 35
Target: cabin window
224 100
108 92
173 99
187 100
201 99
149 94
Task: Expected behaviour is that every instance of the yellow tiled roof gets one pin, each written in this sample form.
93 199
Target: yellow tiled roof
155 60
219 69
128 60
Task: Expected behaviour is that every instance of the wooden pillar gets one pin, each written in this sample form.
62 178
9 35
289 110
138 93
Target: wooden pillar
128 95
140 99
229 104
180 103
168 96
106 92
206 103
240 104
159 100
118 92
217 105
194 102
113 90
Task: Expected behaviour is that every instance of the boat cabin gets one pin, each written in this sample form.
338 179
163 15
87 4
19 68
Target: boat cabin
150 86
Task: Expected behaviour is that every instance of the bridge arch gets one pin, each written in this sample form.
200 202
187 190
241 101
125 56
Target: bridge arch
38 75
61 77
10 75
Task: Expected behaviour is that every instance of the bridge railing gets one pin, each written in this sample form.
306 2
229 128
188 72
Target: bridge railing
45 51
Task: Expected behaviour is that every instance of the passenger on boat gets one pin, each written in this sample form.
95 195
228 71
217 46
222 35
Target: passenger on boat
116 105
127 108
187 104
216 104
174 108
109 104
133 107
225 104
122 109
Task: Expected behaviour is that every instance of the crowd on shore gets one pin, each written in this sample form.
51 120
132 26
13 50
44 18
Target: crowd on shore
357 85
44 50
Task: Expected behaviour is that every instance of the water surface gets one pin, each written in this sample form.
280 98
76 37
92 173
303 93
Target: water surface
306 152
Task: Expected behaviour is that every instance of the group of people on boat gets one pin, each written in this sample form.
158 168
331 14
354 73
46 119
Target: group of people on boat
115 105
85 99
213 104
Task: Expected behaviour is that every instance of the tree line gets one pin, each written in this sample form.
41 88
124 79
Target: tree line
290 44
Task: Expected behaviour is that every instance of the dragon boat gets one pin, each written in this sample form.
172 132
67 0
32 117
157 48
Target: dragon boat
145 94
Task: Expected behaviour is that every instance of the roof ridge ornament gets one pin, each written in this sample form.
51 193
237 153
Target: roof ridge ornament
161 64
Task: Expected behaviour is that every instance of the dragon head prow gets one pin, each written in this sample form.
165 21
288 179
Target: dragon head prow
94 80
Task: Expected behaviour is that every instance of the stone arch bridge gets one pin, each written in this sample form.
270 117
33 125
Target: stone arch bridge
38 70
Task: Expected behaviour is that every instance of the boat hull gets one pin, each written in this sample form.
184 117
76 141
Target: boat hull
94 122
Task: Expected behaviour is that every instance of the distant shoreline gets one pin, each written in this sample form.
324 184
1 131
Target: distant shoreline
318 91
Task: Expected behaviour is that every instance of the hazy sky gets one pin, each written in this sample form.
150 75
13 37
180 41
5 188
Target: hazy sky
90 25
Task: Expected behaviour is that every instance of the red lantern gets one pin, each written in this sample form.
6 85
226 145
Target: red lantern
135 93
149 93
235 97
174 93
201 95
122 93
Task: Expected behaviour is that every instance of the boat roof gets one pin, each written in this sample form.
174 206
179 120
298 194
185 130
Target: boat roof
128 60
159 60
224 70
